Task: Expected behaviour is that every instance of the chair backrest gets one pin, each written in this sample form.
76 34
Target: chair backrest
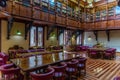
10 72
82 61
22 51
4 57
84 48
111 50
72 63
40 50
93 51
60 68
43 76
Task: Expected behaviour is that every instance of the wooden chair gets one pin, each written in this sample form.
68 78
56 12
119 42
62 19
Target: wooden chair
59 73
71 69
48 75
11 72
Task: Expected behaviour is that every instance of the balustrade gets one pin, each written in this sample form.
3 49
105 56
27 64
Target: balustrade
62 14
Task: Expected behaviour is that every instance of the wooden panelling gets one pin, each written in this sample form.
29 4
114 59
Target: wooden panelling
63 20
25 11
103 24
58 19
9 7
68 22
22 10
16 9
86 26
72 22
44 16
29 12
91 25
111 24
75 23
36 13
117 23
79 24
97 25
83 25
52 18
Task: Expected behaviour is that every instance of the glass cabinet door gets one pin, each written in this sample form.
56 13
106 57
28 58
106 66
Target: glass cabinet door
103 14
97 15
111 11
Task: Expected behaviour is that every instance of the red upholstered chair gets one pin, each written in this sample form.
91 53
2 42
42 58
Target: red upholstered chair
33 50
110 53
10 72
59 73
84 50
117 78
48 75
3 58
71 69
40 50
92 53
82 65
78 48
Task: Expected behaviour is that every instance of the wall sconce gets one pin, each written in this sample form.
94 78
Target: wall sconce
18 32
89 38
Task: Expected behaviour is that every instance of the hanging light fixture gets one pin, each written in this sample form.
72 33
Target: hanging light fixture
18 32
89 38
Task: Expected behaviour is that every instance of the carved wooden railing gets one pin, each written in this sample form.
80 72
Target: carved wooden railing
33 13
17 9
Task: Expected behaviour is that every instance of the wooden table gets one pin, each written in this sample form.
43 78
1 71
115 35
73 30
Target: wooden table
39 61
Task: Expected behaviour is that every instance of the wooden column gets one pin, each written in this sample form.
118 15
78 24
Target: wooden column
108 35
96 35
9 27
27 28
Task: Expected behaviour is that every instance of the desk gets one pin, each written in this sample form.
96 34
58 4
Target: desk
39 61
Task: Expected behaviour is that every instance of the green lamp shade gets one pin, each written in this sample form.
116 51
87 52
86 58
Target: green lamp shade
18 32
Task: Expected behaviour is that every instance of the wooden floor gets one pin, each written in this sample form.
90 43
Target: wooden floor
98 69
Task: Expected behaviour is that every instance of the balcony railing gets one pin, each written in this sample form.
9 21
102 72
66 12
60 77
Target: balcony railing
57 13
